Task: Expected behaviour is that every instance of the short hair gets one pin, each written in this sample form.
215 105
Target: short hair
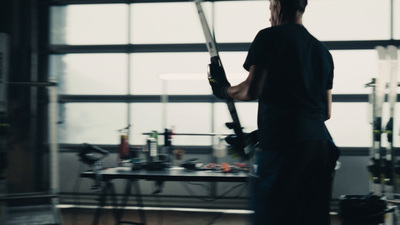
291 8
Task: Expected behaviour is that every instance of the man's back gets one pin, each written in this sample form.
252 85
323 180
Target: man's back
300 70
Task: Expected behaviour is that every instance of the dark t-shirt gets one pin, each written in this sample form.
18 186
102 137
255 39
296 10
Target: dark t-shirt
293 104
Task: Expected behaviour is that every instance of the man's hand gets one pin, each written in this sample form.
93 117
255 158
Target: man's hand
217 80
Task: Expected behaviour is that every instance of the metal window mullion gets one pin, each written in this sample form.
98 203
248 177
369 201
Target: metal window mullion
356 98
128 81
391 19
74 2
200 47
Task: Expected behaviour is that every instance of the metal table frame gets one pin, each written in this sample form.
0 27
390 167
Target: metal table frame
132 177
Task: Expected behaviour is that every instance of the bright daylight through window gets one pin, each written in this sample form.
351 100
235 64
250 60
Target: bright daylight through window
113 68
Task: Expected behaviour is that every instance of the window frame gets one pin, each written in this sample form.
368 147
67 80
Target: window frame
187 47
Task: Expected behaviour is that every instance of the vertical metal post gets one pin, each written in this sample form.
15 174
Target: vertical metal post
34 94
164 100
4 56
53 139
391 19
128 82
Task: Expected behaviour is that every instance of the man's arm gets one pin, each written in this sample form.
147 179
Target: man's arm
329 104
251 88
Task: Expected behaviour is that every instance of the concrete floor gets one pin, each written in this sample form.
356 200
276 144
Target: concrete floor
85 216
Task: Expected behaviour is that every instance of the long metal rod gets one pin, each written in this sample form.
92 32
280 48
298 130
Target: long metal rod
210 41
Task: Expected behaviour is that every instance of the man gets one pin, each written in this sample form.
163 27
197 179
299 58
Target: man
291 75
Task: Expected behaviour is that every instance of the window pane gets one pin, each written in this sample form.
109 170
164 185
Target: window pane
350 124
167 23
183 84
239 21
94 123
147 68
354 69
180 117
145 117
89 24
348 20
189 118
90 73
233 65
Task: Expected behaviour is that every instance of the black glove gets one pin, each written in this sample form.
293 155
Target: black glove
217 80
237 145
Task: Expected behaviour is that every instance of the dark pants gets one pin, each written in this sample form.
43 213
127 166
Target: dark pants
294 184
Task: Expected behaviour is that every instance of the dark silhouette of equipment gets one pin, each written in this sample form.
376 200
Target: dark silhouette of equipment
92 155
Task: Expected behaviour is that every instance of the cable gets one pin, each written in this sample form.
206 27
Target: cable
217 217
190 191
240 192
207 188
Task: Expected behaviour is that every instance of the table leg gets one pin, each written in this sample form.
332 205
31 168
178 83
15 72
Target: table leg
140 202
102 202
116 210
127 193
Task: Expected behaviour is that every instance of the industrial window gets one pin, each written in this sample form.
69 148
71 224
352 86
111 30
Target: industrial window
123 50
